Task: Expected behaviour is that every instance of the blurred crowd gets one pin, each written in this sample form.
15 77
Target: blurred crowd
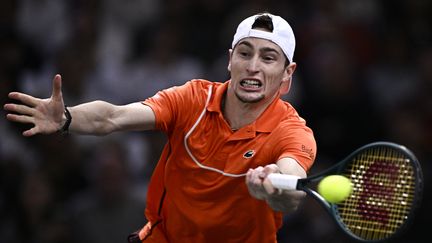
364 74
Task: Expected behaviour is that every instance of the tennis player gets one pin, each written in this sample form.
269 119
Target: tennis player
223 140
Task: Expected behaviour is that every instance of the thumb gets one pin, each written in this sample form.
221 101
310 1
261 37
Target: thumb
268 186
56 88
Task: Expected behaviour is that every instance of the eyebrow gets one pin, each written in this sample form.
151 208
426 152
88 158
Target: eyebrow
264 49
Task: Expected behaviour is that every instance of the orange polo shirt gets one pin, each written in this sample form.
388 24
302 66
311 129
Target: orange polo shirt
186 203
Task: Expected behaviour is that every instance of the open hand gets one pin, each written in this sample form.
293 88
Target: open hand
45 114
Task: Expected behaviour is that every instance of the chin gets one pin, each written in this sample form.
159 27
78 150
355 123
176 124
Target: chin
250 99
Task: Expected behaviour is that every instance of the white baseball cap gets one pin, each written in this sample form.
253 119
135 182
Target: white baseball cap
282 34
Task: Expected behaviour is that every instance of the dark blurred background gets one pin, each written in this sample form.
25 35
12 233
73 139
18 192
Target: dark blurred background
364 74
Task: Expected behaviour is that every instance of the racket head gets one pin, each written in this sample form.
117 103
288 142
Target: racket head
387 189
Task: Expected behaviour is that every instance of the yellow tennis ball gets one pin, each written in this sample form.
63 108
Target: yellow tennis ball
335 188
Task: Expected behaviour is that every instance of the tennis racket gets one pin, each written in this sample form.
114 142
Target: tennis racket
387 185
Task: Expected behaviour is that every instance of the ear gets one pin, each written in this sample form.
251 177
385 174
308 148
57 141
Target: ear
229 62
287 78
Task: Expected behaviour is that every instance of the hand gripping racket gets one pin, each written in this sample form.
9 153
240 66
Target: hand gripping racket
387 188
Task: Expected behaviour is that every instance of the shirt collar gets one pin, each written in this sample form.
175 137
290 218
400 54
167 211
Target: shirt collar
215 103
268 120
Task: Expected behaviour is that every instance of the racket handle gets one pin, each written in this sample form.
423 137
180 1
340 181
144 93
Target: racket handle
282 181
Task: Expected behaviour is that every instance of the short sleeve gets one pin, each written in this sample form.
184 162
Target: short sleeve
172 107
297 142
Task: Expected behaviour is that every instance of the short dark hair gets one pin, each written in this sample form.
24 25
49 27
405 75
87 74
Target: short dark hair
264 21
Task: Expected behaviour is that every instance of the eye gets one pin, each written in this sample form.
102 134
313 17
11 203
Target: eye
244 53
268 58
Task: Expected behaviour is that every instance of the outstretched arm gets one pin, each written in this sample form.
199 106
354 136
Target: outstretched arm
100 118
261 188
97 117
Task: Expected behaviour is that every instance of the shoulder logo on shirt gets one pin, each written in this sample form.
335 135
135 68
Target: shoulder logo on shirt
309 151
249 154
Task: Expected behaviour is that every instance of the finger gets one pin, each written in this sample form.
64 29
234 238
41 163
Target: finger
259 172
31 132
254 189
271 168
56 89
268 187
24 98
21 109
20 118
255 176
248 174
251 178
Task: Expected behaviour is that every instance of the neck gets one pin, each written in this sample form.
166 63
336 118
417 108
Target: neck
239 114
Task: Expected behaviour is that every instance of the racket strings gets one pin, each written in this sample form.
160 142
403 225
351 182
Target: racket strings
383 192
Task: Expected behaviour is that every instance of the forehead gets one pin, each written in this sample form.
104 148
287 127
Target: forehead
259 44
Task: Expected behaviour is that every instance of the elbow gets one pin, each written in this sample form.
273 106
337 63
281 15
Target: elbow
104 127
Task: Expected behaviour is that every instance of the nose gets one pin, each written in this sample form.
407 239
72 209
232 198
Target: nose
253 65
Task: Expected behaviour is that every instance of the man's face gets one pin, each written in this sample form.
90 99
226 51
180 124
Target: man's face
258 70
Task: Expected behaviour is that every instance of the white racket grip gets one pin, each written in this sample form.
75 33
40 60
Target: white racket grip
282 181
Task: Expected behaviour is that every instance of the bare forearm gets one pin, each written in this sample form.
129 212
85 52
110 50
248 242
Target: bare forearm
92 118
101 118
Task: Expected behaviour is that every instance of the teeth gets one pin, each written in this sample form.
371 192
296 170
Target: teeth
249 82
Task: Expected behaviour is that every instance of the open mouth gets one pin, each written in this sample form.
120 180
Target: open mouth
250 84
